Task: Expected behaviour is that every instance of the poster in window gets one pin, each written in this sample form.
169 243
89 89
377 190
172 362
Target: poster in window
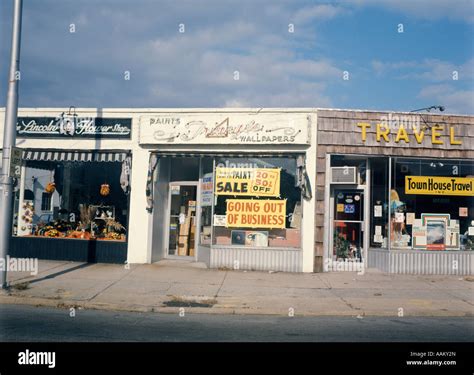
257 182
249 238
253 213
435 234
349 208
207 188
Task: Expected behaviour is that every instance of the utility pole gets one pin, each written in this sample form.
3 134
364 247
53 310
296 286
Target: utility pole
9 137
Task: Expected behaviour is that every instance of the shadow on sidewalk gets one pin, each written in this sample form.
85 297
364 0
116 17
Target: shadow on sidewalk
53 275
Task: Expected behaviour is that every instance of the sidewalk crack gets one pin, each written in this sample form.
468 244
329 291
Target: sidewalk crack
112 284
222 283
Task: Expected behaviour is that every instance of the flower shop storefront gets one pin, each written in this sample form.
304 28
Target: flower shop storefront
72 205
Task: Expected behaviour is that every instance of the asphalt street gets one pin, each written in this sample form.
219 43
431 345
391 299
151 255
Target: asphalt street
32 324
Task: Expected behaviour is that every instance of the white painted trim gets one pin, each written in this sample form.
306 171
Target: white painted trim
167 221
308 222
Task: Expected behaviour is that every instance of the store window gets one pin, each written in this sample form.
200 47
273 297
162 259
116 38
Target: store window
257 202
432 204
379 202
73 200
207 197
46 202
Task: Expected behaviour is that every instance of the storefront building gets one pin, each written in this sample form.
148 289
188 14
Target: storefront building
294 190
230 188
72 200
395 191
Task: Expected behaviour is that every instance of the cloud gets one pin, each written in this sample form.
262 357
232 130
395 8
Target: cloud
169 68
317 13
459 10
455 100
434 70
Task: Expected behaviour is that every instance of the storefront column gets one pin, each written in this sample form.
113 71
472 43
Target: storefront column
309 206
139 245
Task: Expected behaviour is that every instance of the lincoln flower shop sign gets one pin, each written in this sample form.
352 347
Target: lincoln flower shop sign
65 126
225 128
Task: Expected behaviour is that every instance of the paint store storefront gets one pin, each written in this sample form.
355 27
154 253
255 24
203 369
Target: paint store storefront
398 190
231 188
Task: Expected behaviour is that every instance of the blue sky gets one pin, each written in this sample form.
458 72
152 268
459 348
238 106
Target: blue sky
387 70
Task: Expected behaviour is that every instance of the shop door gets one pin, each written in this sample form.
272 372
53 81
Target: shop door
182 220
348 225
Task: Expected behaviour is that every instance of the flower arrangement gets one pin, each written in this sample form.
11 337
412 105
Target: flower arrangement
52 233
104 190
50 187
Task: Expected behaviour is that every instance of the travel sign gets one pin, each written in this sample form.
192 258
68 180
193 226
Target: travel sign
65 126
406 132
427 185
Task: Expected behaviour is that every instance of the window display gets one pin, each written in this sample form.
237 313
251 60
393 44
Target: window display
72 200
432 204
257 202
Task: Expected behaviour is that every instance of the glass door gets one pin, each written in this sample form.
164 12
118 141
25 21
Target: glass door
182 219
348 225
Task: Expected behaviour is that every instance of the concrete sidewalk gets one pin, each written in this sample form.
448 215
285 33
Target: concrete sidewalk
168 286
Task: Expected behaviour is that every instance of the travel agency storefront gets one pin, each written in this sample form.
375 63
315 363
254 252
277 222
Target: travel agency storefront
231 188
71 199
395 191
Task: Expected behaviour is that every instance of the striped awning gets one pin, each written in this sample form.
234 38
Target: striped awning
75 156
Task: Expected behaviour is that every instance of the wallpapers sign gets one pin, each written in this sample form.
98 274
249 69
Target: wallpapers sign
228 128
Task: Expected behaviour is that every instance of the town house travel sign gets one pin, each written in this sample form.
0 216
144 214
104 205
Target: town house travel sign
225 128
65 126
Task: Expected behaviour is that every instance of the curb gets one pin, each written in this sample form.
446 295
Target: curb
216 309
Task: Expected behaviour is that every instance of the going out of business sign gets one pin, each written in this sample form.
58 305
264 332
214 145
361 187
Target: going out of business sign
432 185
65 126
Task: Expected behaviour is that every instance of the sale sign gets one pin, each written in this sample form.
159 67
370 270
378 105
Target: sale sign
253 213
256 182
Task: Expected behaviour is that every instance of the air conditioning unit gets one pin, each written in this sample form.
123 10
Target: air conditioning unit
343 175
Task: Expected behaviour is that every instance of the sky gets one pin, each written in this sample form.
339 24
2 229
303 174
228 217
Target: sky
361 54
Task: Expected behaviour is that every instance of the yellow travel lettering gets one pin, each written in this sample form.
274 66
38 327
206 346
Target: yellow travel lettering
451 137
402 134
364 126
419 136
381 133
435 135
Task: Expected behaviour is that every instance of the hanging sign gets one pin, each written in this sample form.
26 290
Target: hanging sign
428 185
15 162
206 190
255 182
253 213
